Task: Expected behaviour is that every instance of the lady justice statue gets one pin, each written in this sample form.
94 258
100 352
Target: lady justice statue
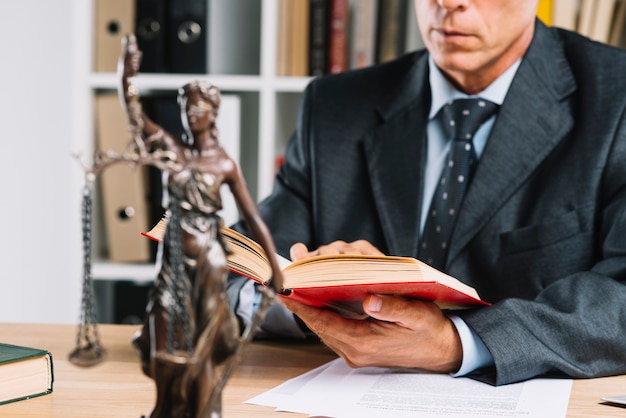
190 338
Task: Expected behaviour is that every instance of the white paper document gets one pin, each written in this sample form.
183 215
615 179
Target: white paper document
336 390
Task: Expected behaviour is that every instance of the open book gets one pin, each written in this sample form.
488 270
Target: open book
342 281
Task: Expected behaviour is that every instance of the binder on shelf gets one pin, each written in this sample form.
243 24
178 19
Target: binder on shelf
123 190
187 36
391 37
150 26
113 19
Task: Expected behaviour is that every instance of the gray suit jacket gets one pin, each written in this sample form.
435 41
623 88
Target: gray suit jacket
542 230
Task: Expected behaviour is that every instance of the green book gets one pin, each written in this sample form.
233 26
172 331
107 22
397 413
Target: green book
25 372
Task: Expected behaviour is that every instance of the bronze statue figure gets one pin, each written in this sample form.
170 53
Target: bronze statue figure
190 338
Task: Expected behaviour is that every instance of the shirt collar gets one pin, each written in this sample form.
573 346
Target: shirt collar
442 91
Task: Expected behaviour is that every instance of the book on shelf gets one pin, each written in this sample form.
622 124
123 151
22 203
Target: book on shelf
318 36
25 372
595 19
603 20
293 38
392 26
565 14
363 33
342 281
616 37
586 16
338 34
282 38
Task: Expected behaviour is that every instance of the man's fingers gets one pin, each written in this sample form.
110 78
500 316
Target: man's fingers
298 251
407 313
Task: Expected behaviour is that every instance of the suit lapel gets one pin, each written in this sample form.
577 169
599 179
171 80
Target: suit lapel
532 120
397 184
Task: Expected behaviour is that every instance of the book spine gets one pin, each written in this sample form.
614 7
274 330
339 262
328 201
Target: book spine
318 36
363 33
283 59
617 30
300 38
391 29
586 17
565 14
603 20
338 36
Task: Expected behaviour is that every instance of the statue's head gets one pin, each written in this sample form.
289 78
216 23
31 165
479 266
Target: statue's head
205 90
199 103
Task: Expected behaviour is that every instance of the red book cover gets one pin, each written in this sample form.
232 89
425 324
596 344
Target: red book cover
338 36
347 299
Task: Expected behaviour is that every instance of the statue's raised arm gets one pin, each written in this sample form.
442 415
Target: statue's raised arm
127 70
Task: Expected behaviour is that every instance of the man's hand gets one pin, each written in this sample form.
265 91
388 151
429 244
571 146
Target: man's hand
399 332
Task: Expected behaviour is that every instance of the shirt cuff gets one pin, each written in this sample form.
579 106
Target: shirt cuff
278 322
475 352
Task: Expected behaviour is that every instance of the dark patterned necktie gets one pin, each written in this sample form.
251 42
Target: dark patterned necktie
460 119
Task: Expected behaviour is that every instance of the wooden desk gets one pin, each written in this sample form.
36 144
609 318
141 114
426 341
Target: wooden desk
117 388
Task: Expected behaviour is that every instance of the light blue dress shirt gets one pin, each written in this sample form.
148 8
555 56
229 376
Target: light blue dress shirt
475 354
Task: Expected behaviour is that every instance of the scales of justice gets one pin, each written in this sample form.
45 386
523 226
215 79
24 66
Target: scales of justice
190 340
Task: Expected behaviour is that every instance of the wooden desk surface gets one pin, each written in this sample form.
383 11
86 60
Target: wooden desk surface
117 388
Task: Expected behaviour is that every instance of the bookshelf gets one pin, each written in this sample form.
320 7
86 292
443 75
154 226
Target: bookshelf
268 102
268 112
265 128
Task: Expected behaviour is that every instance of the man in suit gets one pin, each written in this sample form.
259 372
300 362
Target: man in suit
541 232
